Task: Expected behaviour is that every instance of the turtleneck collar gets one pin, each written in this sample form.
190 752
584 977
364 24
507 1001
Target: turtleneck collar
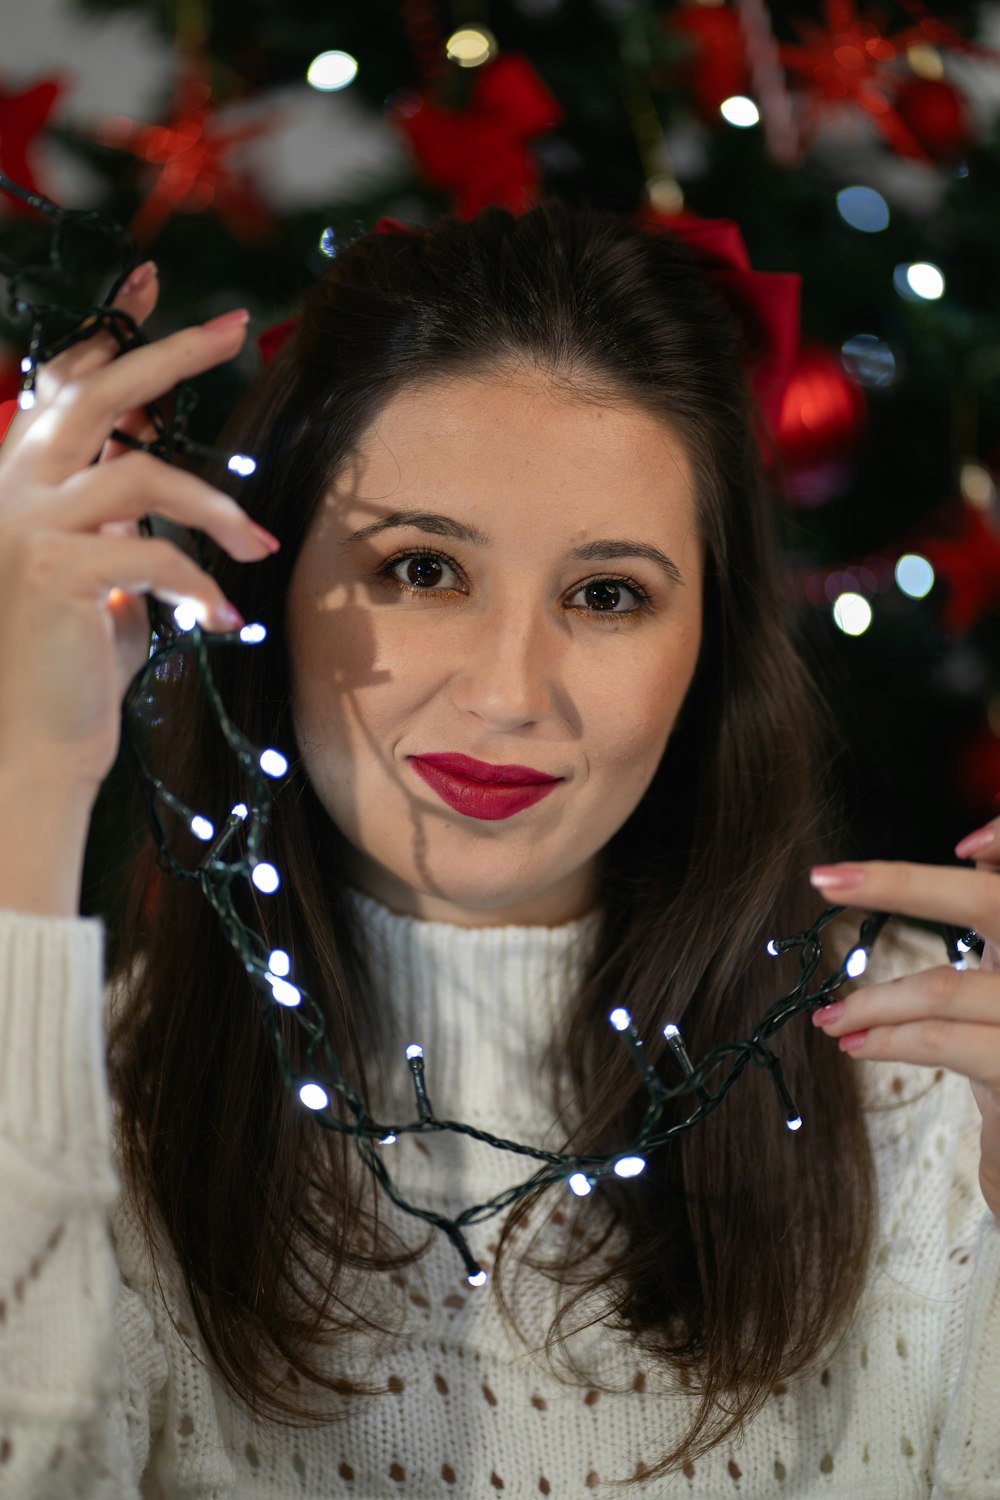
483 1003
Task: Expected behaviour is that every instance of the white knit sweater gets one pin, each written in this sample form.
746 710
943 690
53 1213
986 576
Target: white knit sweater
101 1397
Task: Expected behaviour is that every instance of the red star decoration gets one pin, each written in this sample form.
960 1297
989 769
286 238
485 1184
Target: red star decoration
966 557
191 172
22 117
482 155
845 61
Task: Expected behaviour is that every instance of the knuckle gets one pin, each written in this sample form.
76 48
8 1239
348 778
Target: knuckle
942 988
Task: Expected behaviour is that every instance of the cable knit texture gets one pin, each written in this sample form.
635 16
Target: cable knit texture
101 1398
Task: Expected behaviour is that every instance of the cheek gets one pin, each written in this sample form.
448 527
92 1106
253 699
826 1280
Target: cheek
632 712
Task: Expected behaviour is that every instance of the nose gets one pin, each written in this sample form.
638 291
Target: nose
507 669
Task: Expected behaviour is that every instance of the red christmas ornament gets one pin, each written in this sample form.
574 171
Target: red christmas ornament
717 68
482 154
823 414
191 174
22 116
965 555
936 115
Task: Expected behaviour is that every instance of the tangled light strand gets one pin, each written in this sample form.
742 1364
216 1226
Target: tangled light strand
319 1084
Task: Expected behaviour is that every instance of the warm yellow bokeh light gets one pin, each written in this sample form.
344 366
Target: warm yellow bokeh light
471 46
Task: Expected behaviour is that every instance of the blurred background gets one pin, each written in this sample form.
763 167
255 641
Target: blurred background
244 142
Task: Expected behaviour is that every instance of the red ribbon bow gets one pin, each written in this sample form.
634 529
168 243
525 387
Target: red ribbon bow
766 303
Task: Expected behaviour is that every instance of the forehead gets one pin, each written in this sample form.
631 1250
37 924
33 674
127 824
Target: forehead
499 448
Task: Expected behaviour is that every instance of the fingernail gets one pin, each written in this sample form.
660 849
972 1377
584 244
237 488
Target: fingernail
264 537
982 838
852 1041
140 277
844 876
828 1013
227 320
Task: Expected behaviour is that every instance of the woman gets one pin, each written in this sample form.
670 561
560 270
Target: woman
550 747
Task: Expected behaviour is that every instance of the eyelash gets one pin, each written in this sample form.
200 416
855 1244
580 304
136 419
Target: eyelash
644 605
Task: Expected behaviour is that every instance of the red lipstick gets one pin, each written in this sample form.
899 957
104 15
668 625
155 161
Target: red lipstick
481 790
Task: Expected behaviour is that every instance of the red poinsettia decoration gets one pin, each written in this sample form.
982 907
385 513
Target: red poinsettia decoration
22 116
482 155
844 61
965 554
188 157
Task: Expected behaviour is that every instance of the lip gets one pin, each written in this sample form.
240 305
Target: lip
482 770
508 789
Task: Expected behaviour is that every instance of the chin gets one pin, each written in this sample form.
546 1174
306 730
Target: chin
479 888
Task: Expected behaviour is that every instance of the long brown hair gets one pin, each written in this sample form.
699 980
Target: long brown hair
744 1247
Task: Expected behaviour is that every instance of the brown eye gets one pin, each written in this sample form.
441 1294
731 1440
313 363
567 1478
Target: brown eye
611 596
602 595
423 572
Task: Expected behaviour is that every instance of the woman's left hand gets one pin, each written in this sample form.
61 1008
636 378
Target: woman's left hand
939 1017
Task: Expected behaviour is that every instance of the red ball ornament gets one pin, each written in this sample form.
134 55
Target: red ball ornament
820 421
717 67
936 116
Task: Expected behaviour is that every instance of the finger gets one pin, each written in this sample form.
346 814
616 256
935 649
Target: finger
958 897
983 844
137 296
99 568
942 993
73 427
966 1047
137 484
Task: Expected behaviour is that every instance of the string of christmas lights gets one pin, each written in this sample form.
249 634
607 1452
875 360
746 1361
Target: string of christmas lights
319 1084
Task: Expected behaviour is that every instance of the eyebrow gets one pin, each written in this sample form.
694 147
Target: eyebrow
601 549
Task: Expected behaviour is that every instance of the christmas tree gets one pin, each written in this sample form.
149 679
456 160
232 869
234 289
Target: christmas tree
243 145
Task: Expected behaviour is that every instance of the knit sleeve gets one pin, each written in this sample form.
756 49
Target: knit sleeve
945 1244
967 1451
80 1366
968 1455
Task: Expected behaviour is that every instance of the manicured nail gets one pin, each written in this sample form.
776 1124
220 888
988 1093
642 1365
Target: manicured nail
982 838
140 277
828 1013
844 876
227 320
265 538
852 1041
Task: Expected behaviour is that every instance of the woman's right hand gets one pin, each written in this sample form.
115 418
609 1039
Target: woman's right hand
73 566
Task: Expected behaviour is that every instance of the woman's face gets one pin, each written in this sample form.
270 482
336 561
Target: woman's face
509 574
